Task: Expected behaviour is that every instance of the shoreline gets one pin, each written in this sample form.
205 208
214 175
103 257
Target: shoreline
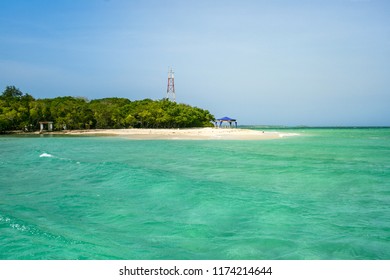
207 133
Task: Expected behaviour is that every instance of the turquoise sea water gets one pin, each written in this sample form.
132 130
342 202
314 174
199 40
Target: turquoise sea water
322 195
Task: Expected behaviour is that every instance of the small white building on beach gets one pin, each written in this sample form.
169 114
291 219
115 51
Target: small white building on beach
49 126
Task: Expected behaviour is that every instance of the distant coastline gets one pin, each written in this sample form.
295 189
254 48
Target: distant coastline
311 127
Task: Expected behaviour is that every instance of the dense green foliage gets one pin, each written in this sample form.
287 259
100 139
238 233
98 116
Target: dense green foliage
19 111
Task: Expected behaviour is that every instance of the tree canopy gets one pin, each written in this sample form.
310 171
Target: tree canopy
20 111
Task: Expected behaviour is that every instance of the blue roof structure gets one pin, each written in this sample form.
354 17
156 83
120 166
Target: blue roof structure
226 119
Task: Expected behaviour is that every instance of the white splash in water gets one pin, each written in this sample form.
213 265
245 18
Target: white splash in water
46 155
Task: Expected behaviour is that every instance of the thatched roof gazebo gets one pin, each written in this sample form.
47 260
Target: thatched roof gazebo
225 120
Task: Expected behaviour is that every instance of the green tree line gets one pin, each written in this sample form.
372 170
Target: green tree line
20 111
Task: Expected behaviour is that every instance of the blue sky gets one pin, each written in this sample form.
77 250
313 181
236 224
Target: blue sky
270 62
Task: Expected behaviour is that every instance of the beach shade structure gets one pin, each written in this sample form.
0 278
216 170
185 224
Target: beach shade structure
226 120
49 126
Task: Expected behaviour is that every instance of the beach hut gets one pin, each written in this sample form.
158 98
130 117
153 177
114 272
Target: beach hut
226 120
49 126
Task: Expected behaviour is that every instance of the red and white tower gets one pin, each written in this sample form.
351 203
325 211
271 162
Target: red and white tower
171 86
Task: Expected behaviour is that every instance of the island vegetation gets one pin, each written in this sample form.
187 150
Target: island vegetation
21 111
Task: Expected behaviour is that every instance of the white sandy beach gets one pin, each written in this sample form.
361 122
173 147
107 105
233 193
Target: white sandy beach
183 134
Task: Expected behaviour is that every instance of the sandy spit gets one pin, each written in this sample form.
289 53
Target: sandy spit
181 134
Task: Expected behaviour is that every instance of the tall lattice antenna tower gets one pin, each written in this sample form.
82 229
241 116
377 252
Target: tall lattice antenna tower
171 86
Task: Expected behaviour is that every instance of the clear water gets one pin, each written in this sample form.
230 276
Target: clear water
322 195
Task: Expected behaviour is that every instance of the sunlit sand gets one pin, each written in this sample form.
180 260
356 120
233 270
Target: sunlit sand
183 134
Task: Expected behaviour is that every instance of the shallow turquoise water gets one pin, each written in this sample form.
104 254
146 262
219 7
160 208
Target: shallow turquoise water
322 195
